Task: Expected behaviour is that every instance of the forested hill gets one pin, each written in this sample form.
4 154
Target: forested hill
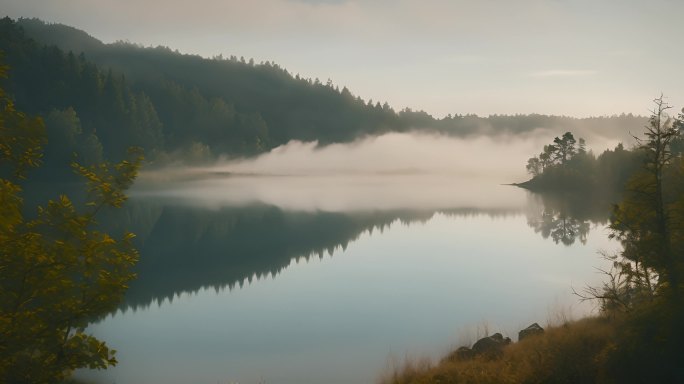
98 99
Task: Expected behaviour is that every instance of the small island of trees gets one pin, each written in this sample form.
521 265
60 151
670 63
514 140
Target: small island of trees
566 165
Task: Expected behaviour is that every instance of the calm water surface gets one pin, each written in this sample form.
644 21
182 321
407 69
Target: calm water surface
325 280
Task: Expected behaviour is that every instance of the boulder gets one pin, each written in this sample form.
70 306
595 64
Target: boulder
533 329
491 346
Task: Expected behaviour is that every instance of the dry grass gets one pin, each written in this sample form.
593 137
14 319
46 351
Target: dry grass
570 353
406 371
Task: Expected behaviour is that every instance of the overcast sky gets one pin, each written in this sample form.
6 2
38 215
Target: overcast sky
571 57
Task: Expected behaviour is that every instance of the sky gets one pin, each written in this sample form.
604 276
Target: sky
564 57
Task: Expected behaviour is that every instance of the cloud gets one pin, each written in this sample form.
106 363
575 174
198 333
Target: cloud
564 73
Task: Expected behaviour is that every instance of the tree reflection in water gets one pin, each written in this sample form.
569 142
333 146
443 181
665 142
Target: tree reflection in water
566 218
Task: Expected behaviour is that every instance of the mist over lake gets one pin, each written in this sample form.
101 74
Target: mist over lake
392 171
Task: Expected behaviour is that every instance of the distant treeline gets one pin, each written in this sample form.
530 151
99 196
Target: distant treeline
99 99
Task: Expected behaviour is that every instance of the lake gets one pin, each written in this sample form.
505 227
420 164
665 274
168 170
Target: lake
248 278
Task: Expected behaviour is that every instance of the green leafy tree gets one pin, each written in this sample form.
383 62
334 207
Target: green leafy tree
57 271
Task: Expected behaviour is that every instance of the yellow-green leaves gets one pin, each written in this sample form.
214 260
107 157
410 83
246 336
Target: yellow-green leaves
21 138
106 181
58 272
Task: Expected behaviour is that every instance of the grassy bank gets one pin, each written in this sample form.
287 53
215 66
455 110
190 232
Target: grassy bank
606 349
571 352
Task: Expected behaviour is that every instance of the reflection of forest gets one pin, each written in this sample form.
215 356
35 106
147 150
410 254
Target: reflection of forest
184 249
566 218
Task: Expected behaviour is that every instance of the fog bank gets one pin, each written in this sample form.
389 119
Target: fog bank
394 154
392 171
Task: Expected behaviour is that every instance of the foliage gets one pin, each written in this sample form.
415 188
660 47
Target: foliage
21 137
564 166
564 147
647 347
87 110
645 280
57 271
649 221
559 153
